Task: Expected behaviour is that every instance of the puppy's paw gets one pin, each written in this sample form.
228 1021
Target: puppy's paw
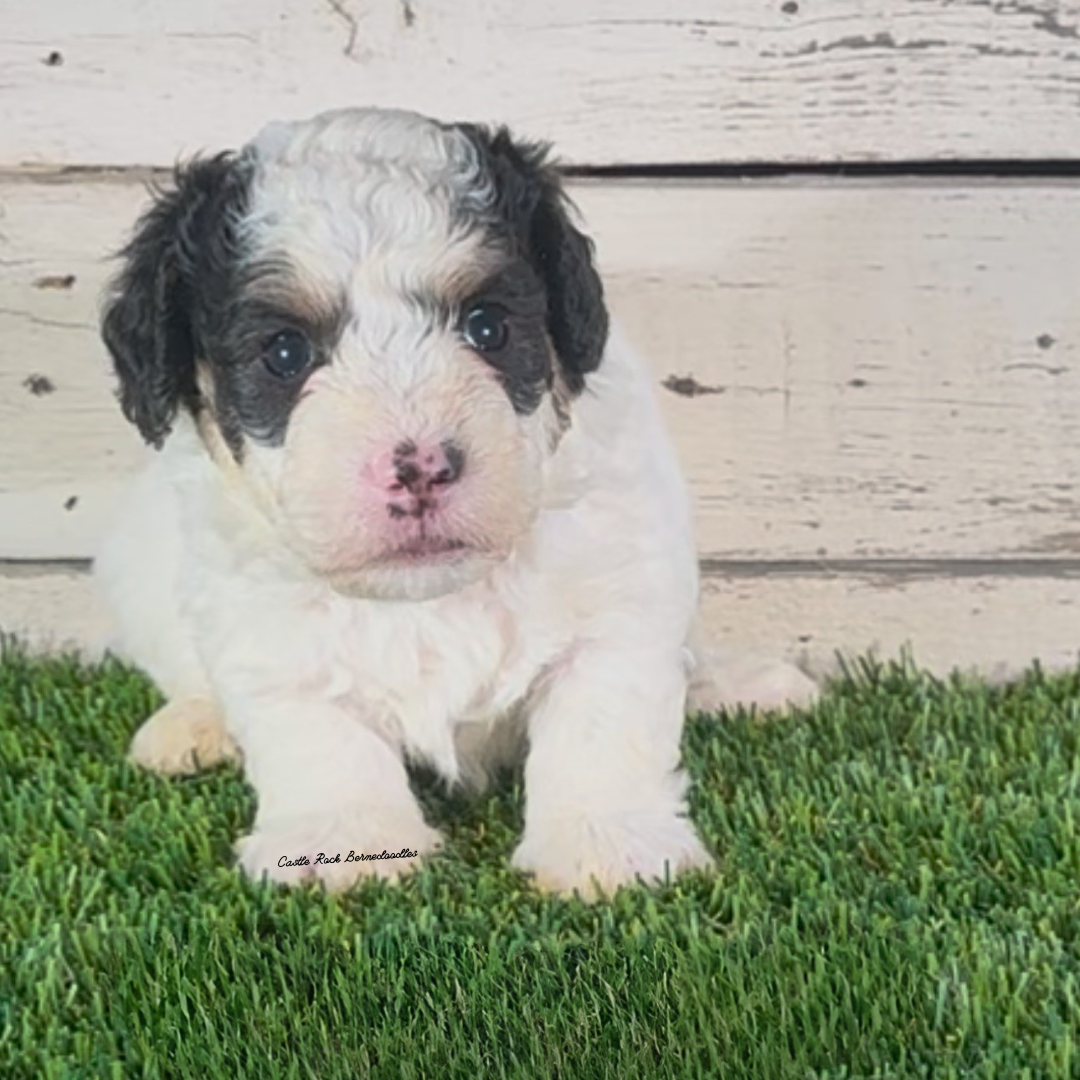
594 855
723 682
182 737
330 847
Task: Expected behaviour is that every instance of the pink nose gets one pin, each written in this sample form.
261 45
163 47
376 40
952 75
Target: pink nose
414 476
418 469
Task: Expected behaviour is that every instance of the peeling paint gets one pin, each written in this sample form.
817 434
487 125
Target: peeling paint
1048 21
346 16
39 385
688 386
1030 365
999 50
882 40
55 281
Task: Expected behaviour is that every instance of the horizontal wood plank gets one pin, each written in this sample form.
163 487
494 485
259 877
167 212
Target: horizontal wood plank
52 610
610 81
993 625
860 370
896 366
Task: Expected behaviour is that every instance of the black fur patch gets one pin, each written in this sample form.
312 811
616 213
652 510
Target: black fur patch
531 216
178 274
249 398
524 365
189 293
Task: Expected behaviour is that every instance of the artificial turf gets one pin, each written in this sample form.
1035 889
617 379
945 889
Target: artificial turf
898 895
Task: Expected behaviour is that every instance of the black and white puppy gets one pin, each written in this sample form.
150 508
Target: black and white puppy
413 502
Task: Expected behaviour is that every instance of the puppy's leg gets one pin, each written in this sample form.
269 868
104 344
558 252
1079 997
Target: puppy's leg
722 680
182 737
605 799
137 572
327 786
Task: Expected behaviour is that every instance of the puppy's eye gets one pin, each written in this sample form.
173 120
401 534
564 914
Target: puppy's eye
287 354
485 327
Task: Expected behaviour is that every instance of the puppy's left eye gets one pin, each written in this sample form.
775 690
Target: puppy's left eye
485 327
287 354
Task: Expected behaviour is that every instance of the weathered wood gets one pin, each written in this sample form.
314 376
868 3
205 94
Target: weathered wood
993 625
897 362
64 451
610 81
897 365
51 610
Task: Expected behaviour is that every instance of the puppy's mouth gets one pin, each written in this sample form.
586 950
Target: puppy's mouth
416 568
424 550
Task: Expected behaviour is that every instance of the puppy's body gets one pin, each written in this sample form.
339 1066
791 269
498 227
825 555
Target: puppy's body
205 596
294 565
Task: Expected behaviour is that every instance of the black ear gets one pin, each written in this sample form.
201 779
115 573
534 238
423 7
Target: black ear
152 322
531 202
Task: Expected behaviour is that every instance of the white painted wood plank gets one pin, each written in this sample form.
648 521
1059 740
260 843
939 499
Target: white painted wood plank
53 611
610 81
899 364
996 626
64 450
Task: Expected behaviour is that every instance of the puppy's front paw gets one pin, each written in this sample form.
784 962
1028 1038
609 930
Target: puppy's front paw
594 855
332 847
182 737
770 685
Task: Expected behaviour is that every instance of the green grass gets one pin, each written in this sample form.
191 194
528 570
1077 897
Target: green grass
898 896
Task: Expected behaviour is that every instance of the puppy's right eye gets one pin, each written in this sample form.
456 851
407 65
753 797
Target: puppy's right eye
288 354
485 327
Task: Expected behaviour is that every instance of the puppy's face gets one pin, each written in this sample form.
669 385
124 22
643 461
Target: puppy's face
379 324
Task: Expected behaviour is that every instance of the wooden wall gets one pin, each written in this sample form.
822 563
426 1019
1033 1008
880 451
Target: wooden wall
870 368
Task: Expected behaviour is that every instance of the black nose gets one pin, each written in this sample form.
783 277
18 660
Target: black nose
418 470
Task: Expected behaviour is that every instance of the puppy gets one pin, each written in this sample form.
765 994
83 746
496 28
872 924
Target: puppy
413 502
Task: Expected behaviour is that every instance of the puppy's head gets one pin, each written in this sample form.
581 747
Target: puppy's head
379 324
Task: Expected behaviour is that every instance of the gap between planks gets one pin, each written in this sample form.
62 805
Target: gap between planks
885 571
779 173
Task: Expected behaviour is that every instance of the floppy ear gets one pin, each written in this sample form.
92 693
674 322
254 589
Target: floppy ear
151 322
530 198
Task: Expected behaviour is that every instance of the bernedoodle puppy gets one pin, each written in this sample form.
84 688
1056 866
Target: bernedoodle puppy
413 502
